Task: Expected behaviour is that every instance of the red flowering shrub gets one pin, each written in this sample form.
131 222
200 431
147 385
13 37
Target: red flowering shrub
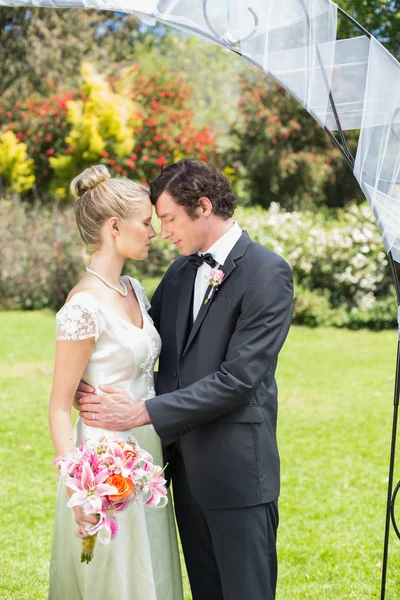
167 132
41 124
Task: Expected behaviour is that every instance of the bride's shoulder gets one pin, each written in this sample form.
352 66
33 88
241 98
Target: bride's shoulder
134 282
82 290
139 290
78 319
81 299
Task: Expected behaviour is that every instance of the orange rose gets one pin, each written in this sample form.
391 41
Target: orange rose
124 486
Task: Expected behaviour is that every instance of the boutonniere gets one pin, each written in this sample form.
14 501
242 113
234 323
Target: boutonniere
216 277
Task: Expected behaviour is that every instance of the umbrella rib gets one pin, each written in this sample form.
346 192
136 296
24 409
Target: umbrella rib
354 22
345 149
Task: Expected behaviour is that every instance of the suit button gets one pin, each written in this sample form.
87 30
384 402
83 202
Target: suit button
175 374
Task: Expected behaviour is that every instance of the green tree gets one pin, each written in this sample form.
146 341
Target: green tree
379 17
282 154
211 72
42 44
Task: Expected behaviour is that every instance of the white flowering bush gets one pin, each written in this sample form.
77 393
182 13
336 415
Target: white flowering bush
340 267
339 263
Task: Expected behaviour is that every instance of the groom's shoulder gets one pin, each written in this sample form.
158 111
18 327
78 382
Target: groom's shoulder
258 254
175 266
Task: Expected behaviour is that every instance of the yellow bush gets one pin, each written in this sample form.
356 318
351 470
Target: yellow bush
16 169
102 122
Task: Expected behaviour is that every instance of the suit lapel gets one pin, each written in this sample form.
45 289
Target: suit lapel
199 319
184 305
229 266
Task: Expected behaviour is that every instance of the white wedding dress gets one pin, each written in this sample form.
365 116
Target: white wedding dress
142 561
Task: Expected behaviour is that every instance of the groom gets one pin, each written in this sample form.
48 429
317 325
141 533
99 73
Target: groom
216 403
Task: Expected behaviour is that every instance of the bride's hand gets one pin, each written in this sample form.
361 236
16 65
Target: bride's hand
82 521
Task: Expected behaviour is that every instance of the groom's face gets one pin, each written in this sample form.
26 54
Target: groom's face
185 233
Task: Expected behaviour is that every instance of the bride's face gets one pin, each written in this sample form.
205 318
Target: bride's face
133 235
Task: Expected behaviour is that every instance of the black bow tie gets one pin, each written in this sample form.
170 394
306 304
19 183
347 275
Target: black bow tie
196 260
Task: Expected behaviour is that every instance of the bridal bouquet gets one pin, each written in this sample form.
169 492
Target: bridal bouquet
107 475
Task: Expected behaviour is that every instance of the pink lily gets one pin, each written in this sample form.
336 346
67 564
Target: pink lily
69 465
106 528
158 493
89 488
121 506
117 462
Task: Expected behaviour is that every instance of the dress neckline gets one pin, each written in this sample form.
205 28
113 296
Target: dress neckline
115 314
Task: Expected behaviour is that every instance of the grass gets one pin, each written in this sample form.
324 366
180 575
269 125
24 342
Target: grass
336 390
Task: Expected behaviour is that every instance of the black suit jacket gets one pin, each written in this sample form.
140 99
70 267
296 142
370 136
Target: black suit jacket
216 384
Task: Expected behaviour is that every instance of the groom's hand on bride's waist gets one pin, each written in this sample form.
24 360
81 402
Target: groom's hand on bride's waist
114 409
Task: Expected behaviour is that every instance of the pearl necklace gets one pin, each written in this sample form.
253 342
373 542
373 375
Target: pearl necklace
108 284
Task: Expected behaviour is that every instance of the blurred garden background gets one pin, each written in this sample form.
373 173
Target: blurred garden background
83 87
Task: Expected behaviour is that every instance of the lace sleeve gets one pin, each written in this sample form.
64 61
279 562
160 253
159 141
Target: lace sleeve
140 291
76 322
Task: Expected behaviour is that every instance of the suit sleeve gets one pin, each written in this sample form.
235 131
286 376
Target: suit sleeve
259 334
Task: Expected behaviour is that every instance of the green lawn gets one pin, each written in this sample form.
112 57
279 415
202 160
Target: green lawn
336 391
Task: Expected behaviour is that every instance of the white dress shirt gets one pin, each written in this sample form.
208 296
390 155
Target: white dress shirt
219 251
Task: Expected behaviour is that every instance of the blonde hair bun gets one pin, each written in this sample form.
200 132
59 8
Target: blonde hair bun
89 179
100 198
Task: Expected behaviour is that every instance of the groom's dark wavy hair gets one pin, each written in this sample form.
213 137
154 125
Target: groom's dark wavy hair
188 180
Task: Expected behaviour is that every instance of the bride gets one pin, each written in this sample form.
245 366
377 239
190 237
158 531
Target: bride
104 335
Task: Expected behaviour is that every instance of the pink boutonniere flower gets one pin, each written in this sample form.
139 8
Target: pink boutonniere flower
214 281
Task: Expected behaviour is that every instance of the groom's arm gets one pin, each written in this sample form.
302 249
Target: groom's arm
253 349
